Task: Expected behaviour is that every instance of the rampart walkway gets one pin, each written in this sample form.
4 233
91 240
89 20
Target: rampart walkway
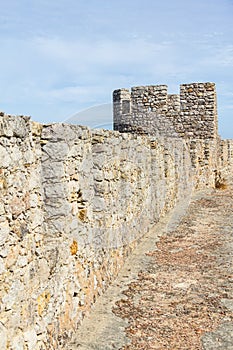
176 290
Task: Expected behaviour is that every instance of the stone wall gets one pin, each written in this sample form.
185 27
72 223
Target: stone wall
23 267
226 160
74 202
198 110
151 110
191 115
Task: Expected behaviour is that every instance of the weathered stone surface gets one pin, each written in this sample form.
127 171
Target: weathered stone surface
2 265
17 343
30 337
43 270
52 170
3 336
56 151
4 232
220 339
151 110
14 126
61 184
5 159
99 204
14 294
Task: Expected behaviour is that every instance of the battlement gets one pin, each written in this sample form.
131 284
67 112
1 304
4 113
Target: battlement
151 110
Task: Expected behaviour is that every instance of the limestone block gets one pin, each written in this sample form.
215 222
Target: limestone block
17 206
2 209
14 126
55 190
36 218
17 343
76 150
30 338
17 179
34 181
87 191
111 174
100 187
86 167
56 208
56 151
15 319
20 126
99 160
12 256
61 132
2 265
99 148
22 261
4 232
16 156
5 128
28 156
43 270
98 175
34 200
3 337
52 170
36 128
98 203
14 295
57 225
5 159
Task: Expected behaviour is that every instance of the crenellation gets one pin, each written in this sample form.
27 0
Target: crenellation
173 103
199 110
149 98
192 113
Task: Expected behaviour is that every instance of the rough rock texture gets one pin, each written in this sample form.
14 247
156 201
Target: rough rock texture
151 110
74 202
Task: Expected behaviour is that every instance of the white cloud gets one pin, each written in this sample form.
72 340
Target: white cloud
220 55
225 56
102 52
74 93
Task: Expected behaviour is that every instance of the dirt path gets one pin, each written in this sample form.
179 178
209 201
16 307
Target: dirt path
176 291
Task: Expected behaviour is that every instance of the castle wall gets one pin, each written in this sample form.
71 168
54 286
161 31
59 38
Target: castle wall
145 106
23 265
198 110
226 160
74 203
151 110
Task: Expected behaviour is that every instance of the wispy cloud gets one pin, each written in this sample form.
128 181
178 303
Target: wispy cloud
102 52
225 56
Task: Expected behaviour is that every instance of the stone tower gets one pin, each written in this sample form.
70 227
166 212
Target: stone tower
150 109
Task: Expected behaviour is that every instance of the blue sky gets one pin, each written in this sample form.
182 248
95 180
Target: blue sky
59 57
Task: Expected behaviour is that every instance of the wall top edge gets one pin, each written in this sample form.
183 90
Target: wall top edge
164 86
